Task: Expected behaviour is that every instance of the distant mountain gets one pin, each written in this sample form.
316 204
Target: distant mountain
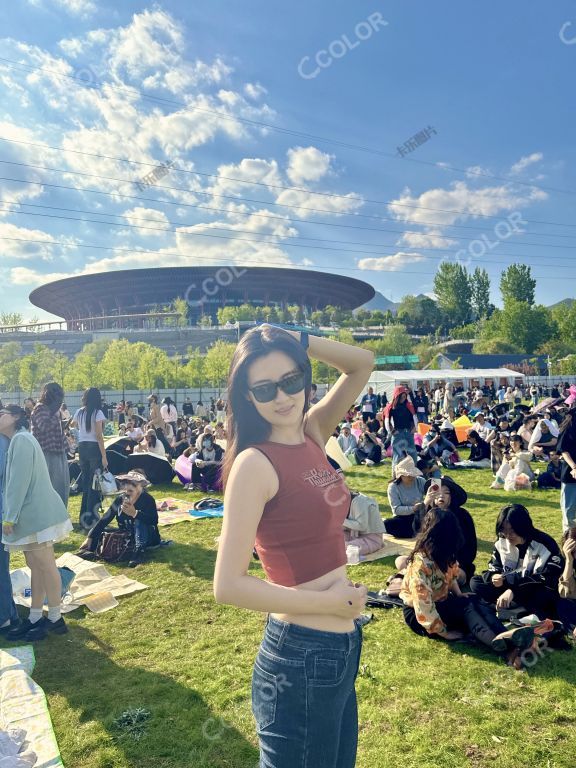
563 303
380 302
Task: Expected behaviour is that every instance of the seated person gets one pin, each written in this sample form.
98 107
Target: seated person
373 425
567 584
369 450
526 430
436 445
429 468
150 444
482 425
363 527
552 477
132 431
180 442
206 466
544 439
479 453
499 447
405 495
525 567
347 441
220 431
135 511
433 603
516 462
205 433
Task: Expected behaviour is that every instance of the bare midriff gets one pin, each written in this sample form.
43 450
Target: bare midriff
321 621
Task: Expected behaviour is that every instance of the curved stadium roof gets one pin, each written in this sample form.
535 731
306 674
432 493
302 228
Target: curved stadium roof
137 290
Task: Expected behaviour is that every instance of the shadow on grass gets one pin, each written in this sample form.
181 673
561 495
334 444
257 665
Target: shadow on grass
182 730
500 500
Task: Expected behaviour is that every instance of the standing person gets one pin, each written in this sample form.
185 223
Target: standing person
92 455
47 429
401 423
8 613
281 492
567 447
368 405
221 410
200 410
158 422
421 404
169 413
34 517
187 407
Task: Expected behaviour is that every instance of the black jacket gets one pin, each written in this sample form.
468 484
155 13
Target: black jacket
538 561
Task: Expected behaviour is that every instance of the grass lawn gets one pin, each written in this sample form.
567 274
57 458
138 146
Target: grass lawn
173 651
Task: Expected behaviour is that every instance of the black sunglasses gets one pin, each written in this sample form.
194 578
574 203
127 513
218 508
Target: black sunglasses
291 384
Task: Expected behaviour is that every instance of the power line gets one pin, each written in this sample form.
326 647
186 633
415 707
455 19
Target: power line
245 262
180 225
265 202
284 219
286 131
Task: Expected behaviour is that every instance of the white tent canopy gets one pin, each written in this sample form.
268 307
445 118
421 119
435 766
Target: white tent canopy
385 381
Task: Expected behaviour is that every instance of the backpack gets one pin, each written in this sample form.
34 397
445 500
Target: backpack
364 515
115 546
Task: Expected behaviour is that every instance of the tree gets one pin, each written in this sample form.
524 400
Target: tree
11 318
217 362
419 313
119 366
152 365
517 284
518 326
85 370
10 356
317 318
195 369
60 367
568 366
181 307
480 294
35 369
452 289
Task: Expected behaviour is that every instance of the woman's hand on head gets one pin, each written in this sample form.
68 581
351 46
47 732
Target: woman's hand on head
347 600
569 548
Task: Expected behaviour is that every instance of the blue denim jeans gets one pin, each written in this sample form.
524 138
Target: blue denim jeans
7 608
402 444
568 505
303 697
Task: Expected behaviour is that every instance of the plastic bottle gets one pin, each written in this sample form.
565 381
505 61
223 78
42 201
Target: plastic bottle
353 555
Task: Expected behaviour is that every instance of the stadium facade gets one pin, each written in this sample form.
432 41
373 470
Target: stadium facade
129 298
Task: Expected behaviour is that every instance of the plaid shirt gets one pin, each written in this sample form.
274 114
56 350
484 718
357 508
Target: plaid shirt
47 429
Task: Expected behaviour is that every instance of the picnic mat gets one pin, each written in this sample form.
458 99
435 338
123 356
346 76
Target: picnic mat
391 547
23 705
93 586
171 511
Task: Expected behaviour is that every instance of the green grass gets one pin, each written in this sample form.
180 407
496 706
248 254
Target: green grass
173 651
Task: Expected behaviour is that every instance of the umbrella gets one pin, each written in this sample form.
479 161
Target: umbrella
117 451
547 403
156 468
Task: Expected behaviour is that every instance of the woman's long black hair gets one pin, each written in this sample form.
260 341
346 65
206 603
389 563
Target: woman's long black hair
91 404
245 426
569 421
518 518
440 538
52 396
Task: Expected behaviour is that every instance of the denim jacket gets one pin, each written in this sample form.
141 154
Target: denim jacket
4 444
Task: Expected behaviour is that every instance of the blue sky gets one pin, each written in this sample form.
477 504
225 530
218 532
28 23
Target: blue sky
197 84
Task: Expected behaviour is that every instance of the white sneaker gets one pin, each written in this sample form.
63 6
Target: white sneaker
369 463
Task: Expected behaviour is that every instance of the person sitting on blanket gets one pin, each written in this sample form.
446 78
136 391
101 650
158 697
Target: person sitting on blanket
479 453
525 567
206 465
363 527
434 606
347 441
150 444
436 445
515 467
369 450
553 475
406 496
544 439
135 511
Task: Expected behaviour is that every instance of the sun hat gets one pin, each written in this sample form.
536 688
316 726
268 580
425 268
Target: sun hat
446 425
571 399
407 468
134 477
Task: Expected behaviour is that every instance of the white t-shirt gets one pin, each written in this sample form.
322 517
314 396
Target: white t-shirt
135 434
158 449
85 436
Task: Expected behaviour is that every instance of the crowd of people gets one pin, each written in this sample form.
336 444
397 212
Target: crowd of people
266 449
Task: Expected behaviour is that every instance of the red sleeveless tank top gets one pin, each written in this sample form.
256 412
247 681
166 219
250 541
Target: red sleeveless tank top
300 535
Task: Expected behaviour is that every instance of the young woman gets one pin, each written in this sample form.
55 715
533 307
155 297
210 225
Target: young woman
92 455
158 423
567 447
282 494
544 439
369 450
8 614
46 425
150 444
207 465
515 463
433 603
479 453
33 518
567 584
401 424
405 495
525 567
169 413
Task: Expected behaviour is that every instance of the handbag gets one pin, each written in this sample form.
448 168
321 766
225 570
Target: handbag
115 546
105 482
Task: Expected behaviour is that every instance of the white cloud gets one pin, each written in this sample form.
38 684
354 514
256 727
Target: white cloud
236 178
26 276
16 245
300 201
429 239
307 164
140 218
476 170
525 161
391 263
81 8
255 91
